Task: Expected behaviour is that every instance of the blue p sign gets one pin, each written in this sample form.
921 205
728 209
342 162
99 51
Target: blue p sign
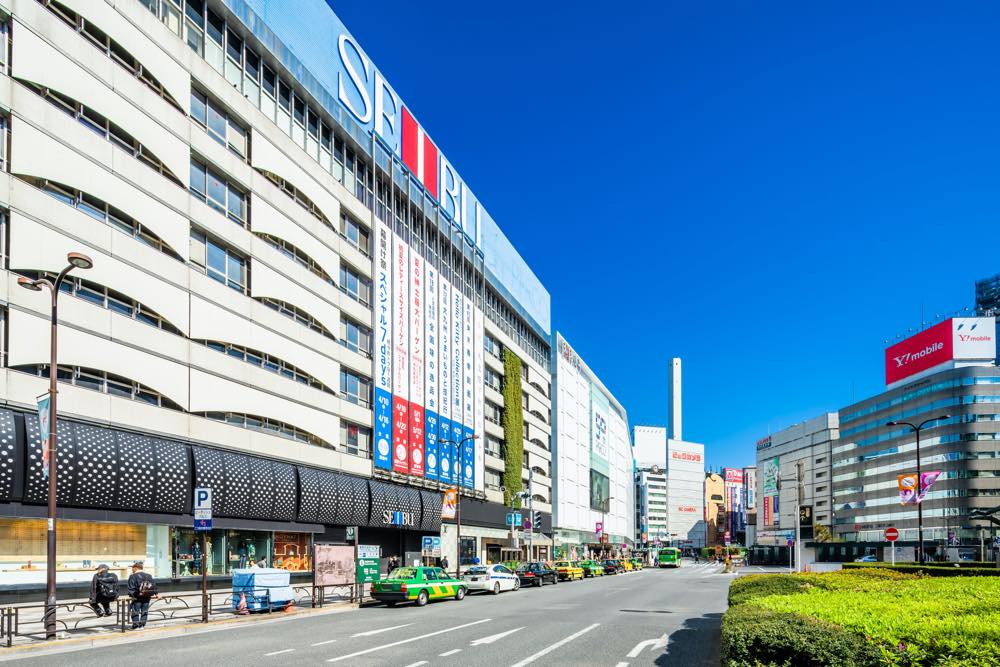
203 499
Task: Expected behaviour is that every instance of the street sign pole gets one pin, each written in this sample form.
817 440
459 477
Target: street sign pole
203 524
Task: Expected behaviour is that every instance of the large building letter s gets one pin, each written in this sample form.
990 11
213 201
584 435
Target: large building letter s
361 85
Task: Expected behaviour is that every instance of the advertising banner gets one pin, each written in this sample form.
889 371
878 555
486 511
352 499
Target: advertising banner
907 484
733 475
383 346
449 503
468 391
431 356
766 508
957 338
334 564
400 357
927 480
479 418
769 471
457 375
750 482
445 447
416 415
599 447
43 431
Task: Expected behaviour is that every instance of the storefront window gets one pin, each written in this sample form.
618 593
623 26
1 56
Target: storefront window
292 552
245 547
188 551
158 552
467 551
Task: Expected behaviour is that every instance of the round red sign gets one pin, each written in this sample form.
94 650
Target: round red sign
891 534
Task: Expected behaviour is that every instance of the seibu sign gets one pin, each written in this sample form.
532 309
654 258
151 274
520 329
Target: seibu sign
955 339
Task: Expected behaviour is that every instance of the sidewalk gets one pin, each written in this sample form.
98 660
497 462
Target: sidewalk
170 614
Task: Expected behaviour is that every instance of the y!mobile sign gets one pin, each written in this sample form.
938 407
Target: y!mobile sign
953 340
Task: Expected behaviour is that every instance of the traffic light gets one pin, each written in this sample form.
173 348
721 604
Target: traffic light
536 521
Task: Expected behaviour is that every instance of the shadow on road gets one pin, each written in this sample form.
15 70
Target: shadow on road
696 643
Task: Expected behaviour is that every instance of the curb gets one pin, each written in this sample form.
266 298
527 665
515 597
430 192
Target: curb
42 648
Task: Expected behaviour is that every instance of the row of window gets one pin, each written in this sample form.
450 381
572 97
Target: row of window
108 383
922 391
219 124
297 255
267 425
919 410
899 432
220 262
266 361
219 192
355 388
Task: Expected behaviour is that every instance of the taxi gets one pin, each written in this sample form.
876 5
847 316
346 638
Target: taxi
627 564
567 570
419 585
492 578
591 568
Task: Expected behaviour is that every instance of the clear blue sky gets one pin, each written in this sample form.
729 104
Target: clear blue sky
767 190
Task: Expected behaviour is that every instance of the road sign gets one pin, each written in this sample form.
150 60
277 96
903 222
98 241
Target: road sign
527 524
891 534
790 543
513 518
203 509
430 546
367 565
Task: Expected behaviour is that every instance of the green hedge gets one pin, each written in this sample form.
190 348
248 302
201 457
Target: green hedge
513 429
928 570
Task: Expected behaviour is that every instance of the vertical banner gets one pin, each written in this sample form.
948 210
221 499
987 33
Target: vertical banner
468 392
43 431
445 448
457 427
383 347
907 484
431 355
416 364
400 358
927 480
479 408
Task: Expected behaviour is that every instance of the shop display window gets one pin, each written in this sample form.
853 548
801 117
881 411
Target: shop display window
244 548
187 552
467 551
292 551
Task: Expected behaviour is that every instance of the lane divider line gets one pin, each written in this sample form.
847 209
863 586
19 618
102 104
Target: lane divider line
451 652
417 664
369 633
287 650
328 641
562 642
407 641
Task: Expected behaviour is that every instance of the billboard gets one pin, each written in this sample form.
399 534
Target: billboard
416 389
955 339
431 355
750 482
446 448
383 345
733 475
400 356
769 470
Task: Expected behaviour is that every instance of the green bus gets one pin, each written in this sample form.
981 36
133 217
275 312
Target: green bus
669 557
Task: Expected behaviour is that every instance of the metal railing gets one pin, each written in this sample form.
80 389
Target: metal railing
27 621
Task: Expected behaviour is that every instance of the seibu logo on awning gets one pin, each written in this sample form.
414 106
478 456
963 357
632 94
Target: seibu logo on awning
955 339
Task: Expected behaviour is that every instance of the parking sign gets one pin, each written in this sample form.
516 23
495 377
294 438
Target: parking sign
203 509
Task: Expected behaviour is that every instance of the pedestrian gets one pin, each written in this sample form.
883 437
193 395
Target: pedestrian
261 563
103 590
444 563
393 562
142 590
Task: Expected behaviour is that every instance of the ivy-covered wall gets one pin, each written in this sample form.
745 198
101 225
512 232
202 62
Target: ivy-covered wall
513 429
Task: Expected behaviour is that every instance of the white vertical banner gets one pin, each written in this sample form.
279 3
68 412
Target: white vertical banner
457 411
400 356
444 362
479 407
468 393
416 364
432 410
383 345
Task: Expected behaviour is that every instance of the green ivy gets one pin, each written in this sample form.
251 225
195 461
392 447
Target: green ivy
513 429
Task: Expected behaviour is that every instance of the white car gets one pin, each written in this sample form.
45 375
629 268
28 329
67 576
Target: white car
492 578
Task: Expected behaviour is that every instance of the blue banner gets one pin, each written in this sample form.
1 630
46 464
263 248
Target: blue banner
431 444
383 429
468 458
445 452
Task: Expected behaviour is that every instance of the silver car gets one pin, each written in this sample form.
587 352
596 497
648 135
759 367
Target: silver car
492 578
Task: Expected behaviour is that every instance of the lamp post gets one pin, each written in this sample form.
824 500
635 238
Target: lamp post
458 499
75 261
531 509
916 428
604 520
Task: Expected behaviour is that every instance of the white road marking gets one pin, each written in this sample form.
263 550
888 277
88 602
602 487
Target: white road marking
407 641
369 633
654 644
287 650
493 638
328 641
622 664
545 651
451 652
417 664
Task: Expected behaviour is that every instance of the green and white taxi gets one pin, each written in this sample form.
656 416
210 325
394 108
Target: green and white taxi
418 584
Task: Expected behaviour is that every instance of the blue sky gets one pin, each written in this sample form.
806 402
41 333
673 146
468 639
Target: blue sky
767 190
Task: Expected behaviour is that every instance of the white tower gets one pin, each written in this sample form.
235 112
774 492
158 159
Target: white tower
674 400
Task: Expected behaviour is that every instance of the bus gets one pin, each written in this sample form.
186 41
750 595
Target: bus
669 557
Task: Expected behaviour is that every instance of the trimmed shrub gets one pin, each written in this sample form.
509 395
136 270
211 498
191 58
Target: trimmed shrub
928 570
752 637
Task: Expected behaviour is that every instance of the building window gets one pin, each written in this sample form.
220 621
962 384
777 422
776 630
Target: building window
220 262
355 388
219 124
492 346
492 480
494 413
297 314
298 197
355 234
524 400
492 446
355 285
266 425
355 439
267 362
296 255
492 378
104 382
356 337
219 192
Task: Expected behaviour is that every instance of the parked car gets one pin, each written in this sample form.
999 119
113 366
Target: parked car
627 564
591 568
492 578
612 567
637 563
568 570
418 584
536 574
869 558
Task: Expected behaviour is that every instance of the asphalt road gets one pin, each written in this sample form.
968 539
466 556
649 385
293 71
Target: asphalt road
652 617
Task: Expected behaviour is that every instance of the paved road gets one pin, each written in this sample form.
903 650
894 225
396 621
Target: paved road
653 617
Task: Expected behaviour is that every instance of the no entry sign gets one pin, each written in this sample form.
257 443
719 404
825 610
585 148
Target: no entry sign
891 534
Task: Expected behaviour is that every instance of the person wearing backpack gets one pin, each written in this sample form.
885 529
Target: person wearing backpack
142 590
103 590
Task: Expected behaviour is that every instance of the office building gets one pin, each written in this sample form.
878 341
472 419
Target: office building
686 493
295 299
649 449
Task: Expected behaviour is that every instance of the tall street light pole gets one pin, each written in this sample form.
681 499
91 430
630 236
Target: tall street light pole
916 428
458 499
75 261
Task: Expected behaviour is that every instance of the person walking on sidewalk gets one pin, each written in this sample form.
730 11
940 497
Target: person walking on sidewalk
103 590
142 590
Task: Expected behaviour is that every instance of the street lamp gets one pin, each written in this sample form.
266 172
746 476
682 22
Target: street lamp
531 508
458 499
916 428
75 261
604 520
